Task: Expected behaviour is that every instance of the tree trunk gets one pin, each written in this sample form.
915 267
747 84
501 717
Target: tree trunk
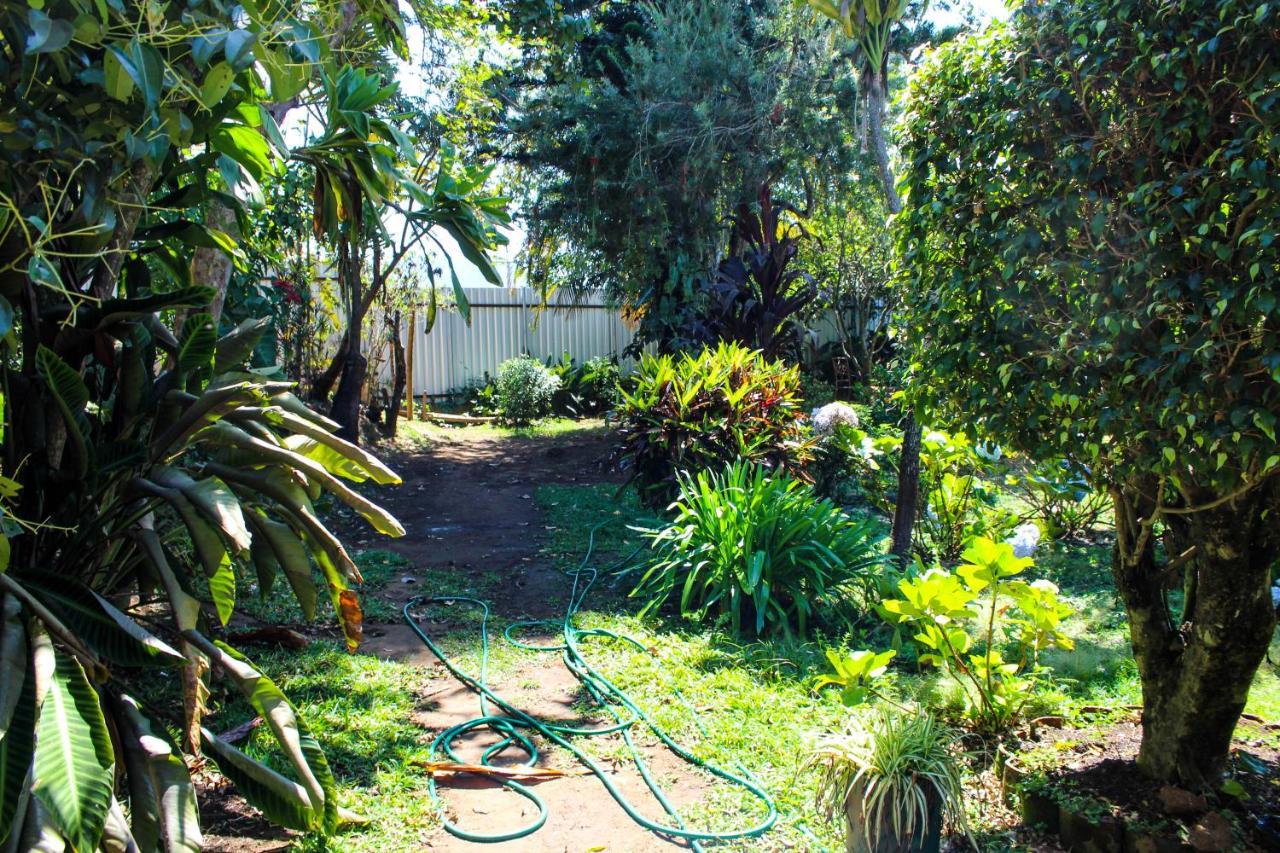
212 267
879 144
904 509
323 384
400 376
1196 676
346 401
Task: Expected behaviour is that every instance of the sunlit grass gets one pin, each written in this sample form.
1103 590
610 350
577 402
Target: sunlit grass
419 432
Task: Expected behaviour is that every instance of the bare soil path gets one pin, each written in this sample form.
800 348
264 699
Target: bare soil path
468 504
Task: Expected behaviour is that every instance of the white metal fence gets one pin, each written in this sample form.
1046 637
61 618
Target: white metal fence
505 323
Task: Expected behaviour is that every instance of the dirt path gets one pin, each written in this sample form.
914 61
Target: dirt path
467 503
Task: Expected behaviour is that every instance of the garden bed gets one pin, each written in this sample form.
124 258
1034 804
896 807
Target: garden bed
1081 783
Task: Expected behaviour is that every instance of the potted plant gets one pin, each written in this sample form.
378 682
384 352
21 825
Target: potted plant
894 780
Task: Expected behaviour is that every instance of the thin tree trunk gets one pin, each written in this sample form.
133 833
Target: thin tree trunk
346 400
904 508
1196 675
212 267
400 376
322 386
879 144
904 511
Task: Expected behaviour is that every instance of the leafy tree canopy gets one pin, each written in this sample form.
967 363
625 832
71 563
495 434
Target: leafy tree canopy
1089 247
1091 238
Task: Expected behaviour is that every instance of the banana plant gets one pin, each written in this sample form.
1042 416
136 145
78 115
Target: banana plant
164 491
868 22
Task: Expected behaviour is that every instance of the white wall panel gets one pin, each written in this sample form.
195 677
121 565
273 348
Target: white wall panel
505 323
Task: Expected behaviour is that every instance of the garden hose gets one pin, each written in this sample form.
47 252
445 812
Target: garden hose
516 728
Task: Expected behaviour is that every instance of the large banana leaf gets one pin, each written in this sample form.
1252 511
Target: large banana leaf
313 800
162 800
74 763
111 634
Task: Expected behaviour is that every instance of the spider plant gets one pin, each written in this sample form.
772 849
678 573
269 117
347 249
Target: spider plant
894 780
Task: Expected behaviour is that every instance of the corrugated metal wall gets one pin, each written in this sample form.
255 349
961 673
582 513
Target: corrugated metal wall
505 323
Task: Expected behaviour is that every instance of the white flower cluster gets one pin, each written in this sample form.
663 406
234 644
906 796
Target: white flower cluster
827 418
1025 539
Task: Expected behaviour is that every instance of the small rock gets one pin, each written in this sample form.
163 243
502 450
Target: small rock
1180 803
408 579
1212 834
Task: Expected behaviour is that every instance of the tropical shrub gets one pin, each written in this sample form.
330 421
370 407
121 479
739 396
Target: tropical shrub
757 293
691 412
147 469
759 551
964 621
898 775
590 388
845 461
524 390
1061 499
960 496
1092 266
135 468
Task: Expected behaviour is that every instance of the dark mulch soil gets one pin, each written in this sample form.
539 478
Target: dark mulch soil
1094 764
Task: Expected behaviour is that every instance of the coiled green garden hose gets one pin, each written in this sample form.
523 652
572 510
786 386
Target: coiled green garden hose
515 727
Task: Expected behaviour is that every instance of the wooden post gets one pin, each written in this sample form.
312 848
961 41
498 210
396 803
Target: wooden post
413 336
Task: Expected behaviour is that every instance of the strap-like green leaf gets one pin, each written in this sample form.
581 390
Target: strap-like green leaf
372 465
234 349
213 499
108 632
71 396
162 800
17 714
227 434
74 763
290 555
222 586
279 798
198 343
299 746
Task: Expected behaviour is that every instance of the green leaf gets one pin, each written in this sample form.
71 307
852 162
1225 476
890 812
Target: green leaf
199 341
235 348
217 82
105 630
6 317
47 34
246 146
145 68
74 763
115 78
17 713
71 396
238 48
290 555
279 798
222 586
318 798
225 433
162 799
214 500
342 453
